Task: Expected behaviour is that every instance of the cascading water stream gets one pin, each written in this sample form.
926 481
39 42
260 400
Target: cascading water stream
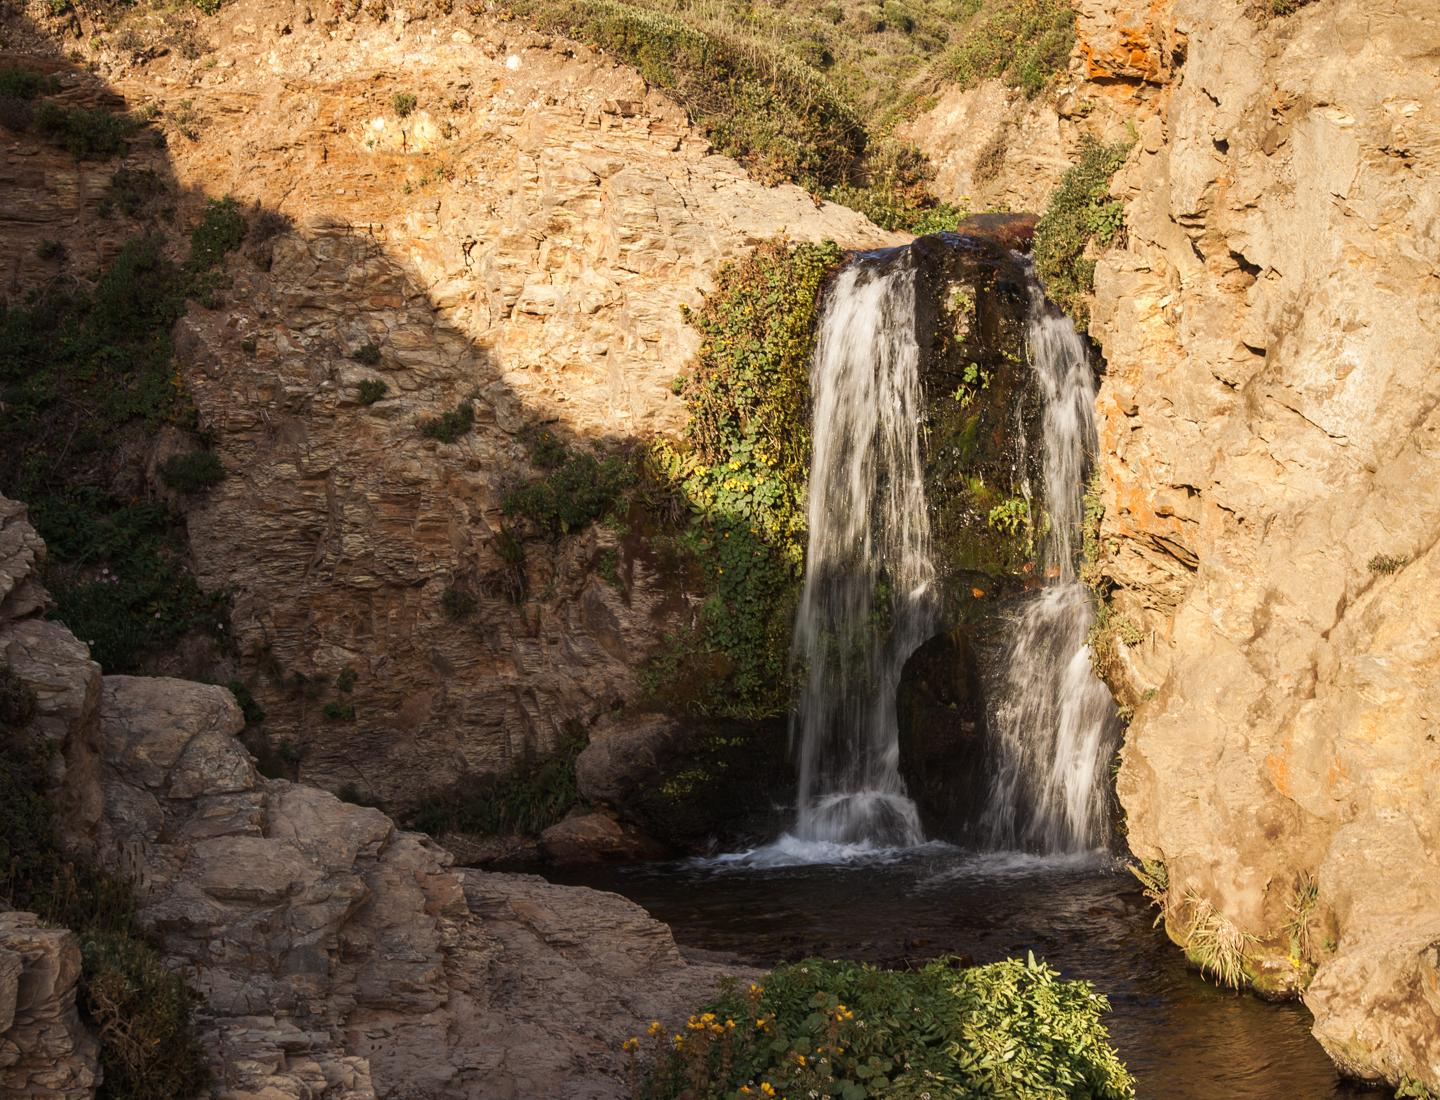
1054 721
868 599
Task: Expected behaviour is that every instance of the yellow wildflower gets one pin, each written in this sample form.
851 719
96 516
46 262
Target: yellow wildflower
655 1028
767 1089
631 1043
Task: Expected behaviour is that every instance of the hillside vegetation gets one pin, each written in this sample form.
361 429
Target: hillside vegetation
808 91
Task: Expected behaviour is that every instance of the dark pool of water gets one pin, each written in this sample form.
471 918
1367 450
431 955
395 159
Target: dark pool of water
1181 1037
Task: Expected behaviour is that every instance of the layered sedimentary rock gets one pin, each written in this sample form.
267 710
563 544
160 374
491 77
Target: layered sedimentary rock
1269 443
520 242
335 955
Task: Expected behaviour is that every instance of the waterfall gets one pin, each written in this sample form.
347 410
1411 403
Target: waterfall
1053 720
868 599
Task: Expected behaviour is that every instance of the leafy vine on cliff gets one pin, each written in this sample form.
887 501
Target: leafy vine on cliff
742 470
1081 216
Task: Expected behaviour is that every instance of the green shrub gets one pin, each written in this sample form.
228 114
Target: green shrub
1023 42
367 353
458 602
1012 1029
221 231
578 489
86 134
372 390
742 476
404 103
194 472
449 427
1080 213
50 252
94 369
252 711
339 712
25 84
528 799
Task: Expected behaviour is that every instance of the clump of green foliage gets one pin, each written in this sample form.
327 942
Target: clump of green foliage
193 473
221 230
26 83
742 472
451 426
1081 214
85 133
371 390
1023 42
526 800
140 1011
404 103
93 368
367 353
458 602
1012 1029
576 489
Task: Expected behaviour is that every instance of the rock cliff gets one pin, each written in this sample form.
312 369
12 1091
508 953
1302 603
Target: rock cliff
517 237
336 956
1269 439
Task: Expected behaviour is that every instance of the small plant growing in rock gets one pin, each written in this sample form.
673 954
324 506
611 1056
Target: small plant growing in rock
193 473
347 679
1215 944
404 103
221 231
367 353
1081 213
253 713
50 252
458 602
372 390
449 427
339 712
1386 564
249 346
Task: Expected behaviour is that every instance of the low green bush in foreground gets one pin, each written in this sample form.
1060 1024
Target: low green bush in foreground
1012 1030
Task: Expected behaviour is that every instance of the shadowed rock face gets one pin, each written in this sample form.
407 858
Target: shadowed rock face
1268 431
336 956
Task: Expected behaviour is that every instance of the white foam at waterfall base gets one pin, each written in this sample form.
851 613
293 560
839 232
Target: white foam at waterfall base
789 850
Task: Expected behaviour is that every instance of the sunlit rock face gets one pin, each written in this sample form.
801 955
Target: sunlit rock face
1268 443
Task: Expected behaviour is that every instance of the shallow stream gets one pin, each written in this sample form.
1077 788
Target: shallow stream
1182 1038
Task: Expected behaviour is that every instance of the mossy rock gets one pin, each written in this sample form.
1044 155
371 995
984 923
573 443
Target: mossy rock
940 705
695 785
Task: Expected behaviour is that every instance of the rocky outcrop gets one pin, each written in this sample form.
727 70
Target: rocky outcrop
1269 433
335 956
45 1051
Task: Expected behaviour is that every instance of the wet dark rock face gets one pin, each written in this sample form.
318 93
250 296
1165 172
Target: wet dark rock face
981 406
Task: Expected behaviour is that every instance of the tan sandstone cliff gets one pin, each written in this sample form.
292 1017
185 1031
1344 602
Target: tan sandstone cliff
1269 452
